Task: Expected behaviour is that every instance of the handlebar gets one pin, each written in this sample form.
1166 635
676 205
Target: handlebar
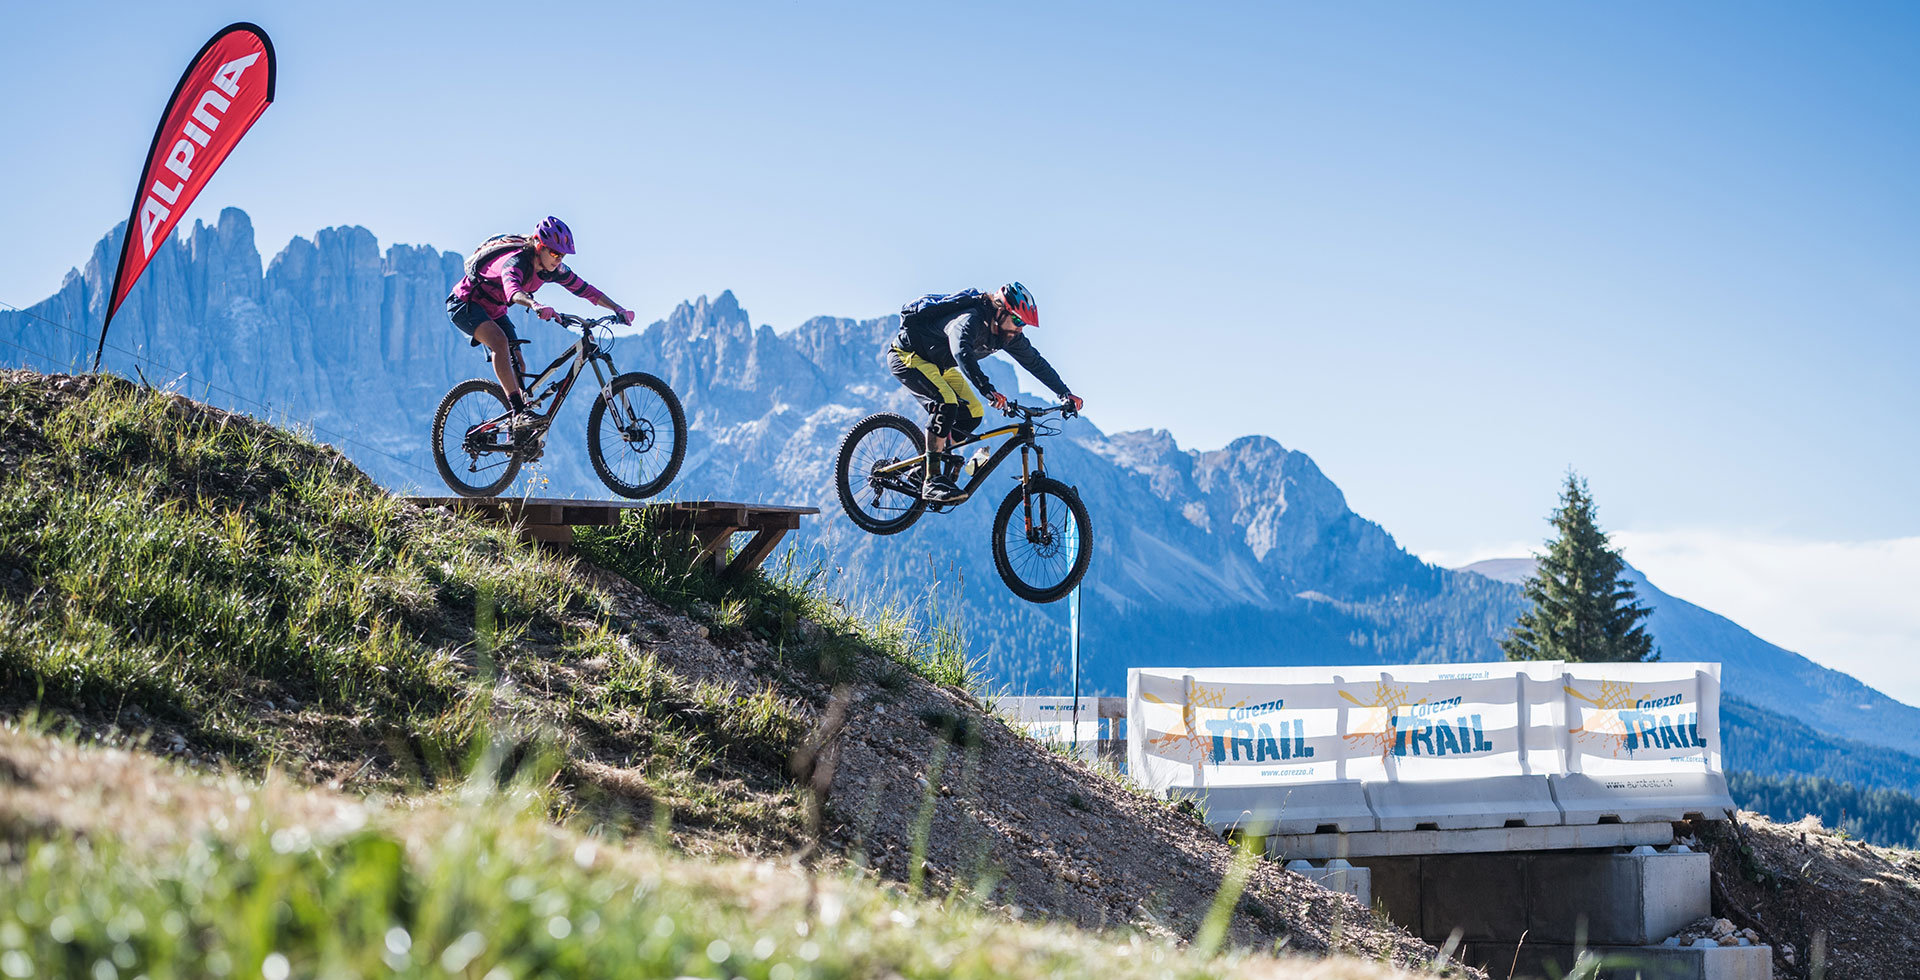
1029 412
569 320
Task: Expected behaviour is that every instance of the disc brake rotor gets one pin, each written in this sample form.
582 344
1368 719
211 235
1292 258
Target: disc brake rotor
639 435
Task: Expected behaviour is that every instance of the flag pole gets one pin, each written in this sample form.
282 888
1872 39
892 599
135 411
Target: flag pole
1073 615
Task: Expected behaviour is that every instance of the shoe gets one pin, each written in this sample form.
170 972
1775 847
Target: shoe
940 490
524 425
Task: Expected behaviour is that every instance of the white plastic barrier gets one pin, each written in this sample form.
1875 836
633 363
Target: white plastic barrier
1642 743
1262 748
1454 744
1297 750
1051 720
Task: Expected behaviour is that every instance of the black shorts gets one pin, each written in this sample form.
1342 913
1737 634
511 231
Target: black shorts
468 317
954 410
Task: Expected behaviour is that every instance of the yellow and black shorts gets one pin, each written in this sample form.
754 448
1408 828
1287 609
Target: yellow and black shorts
956 411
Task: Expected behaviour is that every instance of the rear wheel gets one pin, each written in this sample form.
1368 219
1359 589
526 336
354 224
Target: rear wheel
472 446
638 441
880 502
1042 540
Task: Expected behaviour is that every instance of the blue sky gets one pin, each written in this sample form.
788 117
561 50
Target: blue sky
1448 250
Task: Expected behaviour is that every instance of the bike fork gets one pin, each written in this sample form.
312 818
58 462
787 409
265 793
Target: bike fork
623 416
1026 489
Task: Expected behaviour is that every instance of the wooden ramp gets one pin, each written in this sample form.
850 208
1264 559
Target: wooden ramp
712 523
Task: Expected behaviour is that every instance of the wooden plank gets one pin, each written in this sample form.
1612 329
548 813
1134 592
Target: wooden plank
556 536
699 505
773 521
538 513
712 523
592 516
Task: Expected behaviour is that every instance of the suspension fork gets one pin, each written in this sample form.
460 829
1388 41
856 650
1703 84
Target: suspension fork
1026 492
622 414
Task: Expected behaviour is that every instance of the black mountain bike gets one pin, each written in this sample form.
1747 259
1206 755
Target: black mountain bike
1042 534
636 431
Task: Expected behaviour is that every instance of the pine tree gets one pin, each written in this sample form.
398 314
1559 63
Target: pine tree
1583 610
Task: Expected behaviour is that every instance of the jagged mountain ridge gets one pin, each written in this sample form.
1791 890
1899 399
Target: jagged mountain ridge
1247 554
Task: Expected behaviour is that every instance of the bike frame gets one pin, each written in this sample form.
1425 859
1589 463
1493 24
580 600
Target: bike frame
1024 439
583 352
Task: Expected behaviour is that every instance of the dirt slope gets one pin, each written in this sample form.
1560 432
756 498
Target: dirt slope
1816 894
623 685
1062 840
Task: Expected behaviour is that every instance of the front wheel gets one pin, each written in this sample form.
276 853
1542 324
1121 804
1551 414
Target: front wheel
1042 540
638 439
878 494
472 446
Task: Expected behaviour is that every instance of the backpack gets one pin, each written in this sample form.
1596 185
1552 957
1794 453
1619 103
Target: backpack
938 307
492 249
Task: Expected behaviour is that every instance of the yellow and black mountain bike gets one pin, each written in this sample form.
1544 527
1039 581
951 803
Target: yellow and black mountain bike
1042 535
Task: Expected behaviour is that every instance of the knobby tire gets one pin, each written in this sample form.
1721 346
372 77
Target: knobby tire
854 486
476 391
665 424
1036 573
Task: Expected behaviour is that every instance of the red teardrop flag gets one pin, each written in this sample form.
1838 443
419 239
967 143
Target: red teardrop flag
226 87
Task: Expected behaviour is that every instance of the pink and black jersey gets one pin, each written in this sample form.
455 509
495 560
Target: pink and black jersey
514 273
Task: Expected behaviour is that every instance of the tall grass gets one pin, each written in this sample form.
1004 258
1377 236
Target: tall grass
486 889
163 562
788 605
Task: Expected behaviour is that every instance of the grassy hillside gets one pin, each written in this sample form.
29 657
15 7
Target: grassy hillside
115 864
245 596
209 589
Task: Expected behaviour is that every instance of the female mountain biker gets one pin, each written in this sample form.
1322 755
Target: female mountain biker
478 305
938 349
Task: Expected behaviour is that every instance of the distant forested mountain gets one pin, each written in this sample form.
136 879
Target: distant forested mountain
1759 740
1882 816
1243 555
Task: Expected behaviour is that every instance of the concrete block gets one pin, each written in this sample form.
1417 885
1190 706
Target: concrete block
1463 804
1299 809
1672 796
1315 847
1338 876
1508 960
1620 899
1396 888
1484 896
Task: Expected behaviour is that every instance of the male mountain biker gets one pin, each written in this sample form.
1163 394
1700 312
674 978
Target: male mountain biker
938 350
506 271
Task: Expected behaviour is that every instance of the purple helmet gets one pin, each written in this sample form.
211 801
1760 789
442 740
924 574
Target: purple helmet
553 234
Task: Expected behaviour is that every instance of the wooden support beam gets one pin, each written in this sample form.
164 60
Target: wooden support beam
713 546
558 537
756 551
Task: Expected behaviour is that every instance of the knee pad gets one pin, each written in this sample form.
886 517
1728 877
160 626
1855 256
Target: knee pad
959 422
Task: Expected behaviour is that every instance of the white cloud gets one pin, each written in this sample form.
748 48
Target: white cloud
1849 605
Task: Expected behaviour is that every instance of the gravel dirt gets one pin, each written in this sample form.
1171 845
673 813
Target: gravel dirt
1029 830
1829 905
